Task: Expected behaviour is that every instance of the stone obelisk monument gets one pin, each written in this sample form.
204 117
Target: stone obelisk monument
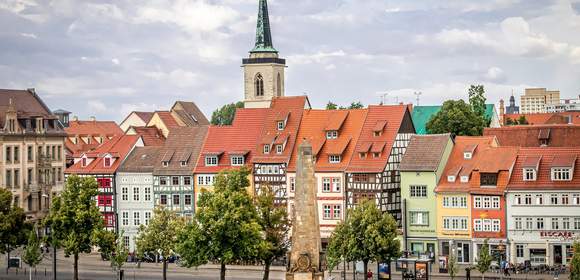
305 252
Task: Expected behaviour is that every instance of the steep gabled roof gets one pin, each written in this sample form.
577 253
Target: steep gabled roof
224 141
530 135
393 115
167 119
151 136
145 116
548 158
183 144
94 128
140 160
313 127
458 166
118 147
424 152
289 109
189 113
27 104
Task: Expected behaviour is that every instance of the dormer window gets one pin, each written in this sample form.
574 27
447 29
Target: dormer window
183 163
377 133
376 155
464 179
237 160
362 155
279 149
165 163
334 159
84 162
266 149
530 174
332 134
280 125
107 162
561 174
488 179
450 178
467 155
211 161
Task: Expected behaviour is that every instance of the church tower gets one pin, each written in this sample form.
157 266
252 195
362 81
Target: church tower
263 70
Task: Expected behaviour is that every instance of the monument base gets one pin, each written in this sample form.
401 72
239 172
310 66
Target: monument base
305 276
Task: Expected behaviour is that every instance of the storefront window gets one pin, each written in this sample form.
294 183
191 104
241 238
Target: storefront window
538 256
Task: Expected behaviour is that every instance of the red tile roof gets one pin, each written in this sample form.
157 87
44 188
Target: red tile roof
145 116
313 128
530 135
90 129
151 136
548 118
458 164
118 147
181 151
224 141
167 119
549 156
281 108
393 115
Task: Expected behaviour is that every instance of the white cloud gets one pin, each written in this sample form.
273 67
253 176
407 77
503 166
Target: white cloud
127 108
494 74
29 35
192 17
97 106
318 57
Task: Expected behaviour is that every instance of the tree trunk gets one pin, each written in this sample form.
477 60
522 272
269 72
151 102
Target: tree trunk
365 269
76 267
267 264
223 271
164 268
354 270
30 274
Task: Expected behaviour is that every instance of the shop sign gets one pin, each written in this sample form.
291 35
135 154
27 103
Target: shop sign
557 235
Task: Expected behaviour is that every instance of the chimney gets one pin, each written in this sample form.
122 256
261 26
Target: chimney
93 119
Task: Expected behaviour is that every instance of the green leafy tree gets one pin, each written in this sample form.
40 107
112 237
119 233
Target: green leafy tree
484 259
456 117
356 105
13 226
75 219
105 241
331 106
522 120
575 262
226 227
32 255
225 115
368 235
336 250
509 121
452 266
160 236
477 99
273 219
119 255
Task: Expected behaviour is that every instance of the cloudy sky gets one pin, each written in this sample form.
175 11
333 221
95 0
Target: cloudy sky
109 57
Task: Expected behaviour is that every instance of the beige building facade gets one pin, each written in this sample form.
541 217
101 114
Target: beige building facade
32 158
535 100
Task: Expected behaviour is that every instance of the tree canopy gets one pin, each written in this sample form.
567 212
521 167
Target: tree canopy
484 259
353 105
13 226
367 235
226 227
75 219
456 117
477 99
160 236
273 219
225 115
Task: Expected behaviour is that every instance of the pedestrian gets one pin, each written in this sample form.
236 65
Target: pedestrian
369 274
506 270
556 273
467 273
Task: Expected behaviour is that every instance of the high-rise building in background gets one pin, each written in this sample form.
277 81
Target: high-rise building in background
535 100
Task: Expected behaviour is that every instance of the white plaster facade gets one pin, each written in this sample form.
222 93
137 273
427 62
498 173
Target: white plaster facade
550 244
135 204
331 208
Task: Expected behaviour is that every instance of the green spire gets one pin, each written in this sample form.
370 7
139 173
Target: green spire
263 35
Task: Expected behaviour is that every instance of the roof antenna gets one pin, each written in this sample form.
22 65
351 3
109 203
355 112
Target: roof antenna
418 94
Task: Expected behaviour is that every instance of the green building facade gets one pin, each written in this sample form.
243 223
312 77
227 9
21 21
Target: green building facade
421 169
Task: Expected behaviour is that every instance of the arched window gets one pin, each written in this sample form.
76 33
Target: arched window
259 85
279 86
